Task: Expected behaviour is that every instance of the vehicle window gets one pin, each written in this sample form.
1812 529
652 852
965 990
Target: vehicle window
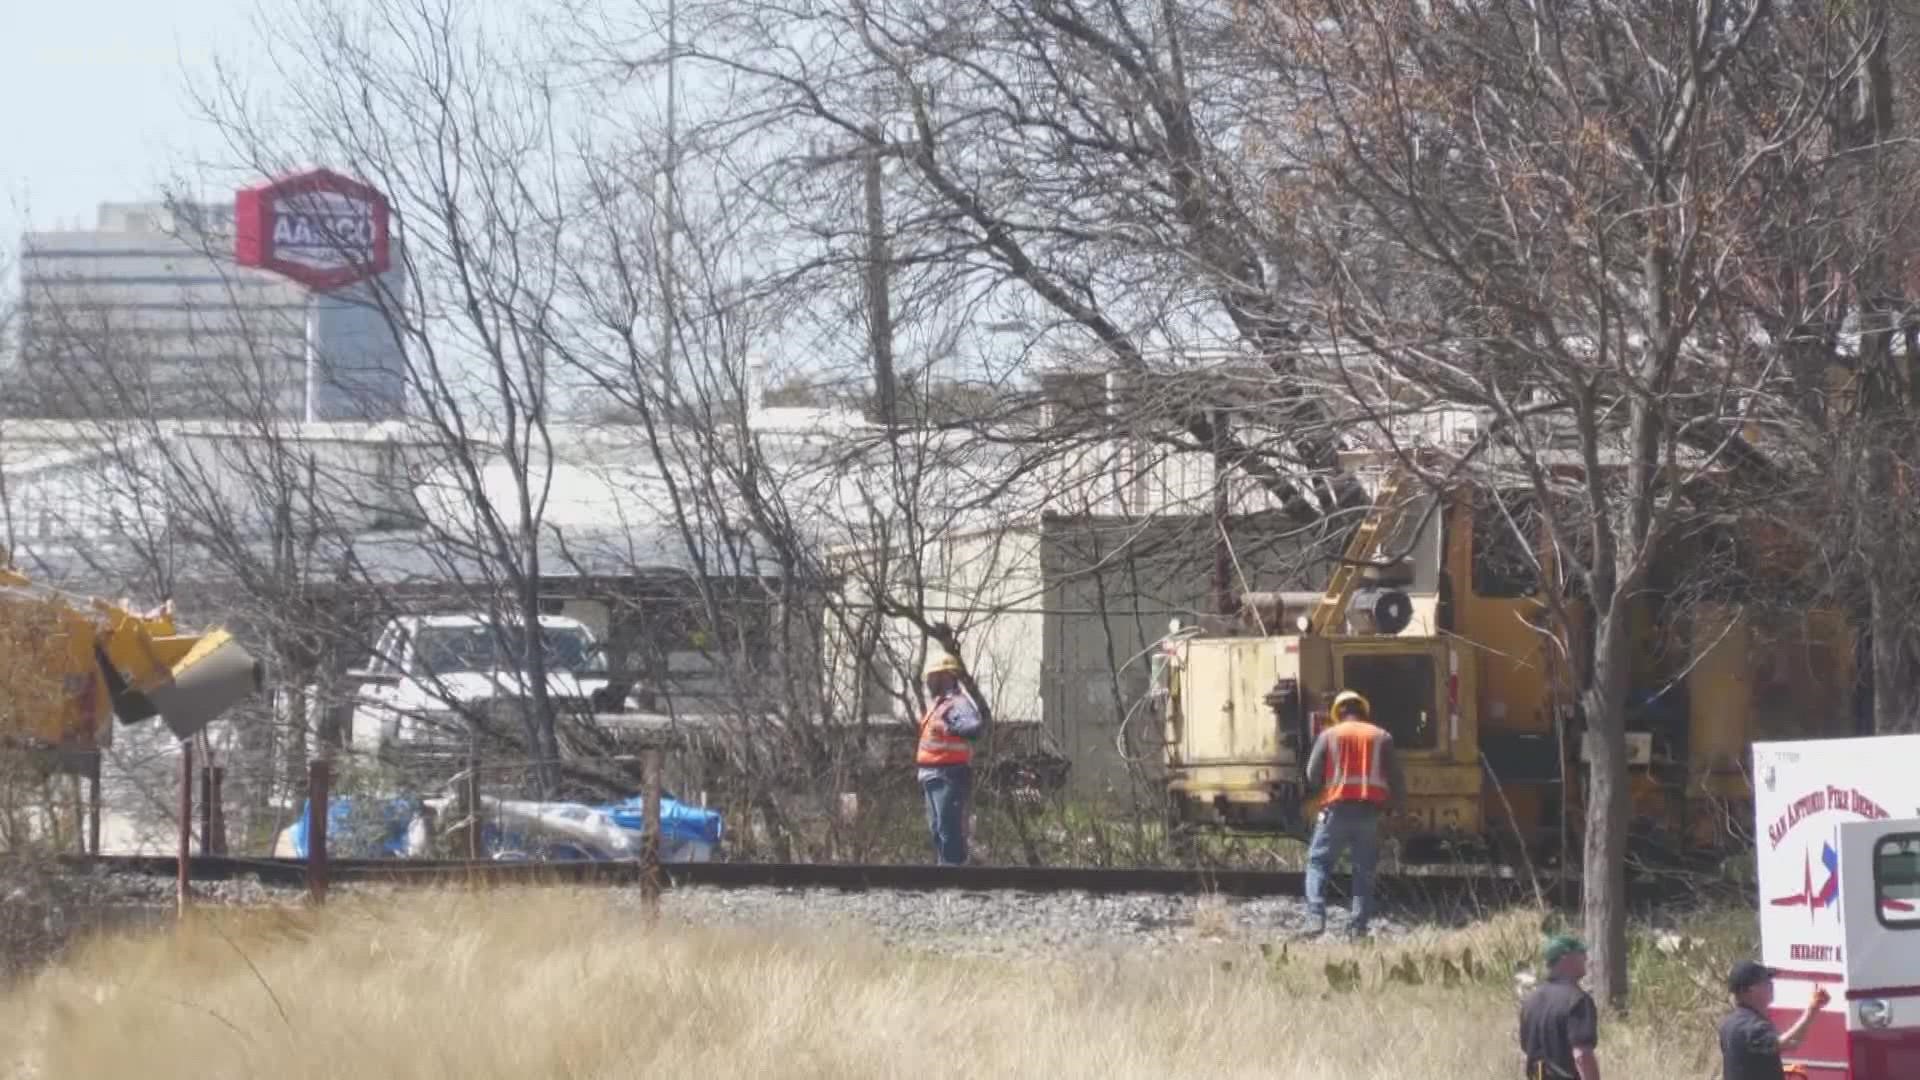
571 650
1404 694
1896 880
1504 566
444 650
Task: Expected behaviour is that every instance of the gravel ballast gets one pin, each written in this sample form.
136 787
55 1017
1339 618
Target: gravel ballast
1004 922
993 923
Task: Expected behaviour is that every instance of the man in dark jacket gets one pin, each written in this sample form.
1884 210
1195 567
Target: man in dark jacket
1559 1026
1749 1044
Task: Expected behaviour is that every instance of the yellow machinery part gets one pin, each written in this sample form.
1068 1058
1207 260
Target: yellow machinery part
70 666
1749 673
1351 570
51 690
215 674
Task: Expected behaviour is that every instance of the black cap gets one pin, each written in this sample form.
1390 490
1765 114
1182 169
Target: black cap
1746 975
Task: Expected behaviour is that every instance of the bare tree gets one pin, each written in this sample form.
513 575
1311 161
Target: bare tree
242 515
1064 168
1572 193
457 127
1835 298
1281 231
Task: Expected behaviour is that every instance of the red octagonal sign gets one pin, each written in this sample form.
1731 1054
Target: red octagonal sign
319 228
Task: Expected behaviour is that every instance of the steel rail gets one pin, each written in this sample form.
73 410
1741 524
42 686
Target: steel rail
1483 887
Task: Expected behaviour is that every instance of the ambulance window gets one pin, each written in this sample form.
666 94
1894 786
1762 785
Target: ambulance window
1896 880
1403 692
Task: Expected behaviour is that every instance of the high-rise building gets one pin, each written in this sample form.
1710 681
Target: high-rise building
147 314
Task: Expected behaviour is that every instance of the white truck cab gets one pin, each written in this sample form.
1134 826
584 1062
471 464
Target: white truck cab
1837 832
429 672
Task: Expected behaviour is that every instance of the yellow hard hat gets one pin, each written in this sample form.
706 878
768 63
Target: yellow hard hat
943 663
1345 696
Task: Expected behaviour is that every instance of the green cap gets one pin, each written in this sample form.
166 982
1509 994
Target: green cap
1562 944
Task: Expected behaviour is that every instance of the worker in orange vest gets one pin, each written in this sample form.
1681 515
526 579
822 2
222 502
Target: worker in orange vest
1354 767
945 758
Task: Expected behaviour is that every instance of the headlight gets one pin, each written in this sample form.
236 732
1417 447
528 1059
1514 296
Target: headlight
1875 1013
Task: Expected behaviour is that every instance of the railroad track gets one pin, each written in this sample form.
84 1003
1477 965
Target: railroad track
1431 888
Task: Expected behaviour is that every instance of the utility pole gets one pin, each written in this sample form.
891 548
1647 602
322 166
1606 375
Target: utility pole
669 208
879 274
1223 603
878 259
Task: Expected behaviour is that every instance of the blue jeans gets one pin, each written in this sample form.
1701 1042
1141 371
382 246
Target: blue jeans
947 789
1354 827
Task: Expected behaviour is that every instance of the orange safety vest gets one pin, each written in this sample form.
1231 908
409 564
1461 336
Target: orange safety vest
1355 770
938 746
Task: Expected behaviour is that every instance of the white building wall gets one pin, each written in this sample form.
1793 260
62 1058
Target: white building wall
92 484
992 593
985 585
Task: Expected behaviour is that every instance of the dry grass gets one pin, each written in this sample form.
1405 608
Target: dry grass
1212 918
558 983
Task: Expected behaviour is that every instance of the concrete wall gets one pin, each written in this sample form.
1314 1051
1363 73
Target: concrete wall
988 586
993 598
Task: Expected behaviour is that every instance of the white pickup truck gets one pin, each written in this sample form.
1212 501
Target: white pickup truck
430 673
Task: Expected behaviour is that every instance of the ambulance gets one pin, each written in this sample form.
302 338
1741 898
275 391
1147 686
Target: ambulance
1837 835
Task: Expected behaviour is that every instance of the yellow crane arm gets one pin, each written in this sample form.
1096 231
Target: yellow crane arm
73 663
1366 537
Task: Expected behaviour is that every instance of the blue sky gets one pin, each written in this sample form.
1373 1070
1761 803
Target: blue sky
96 107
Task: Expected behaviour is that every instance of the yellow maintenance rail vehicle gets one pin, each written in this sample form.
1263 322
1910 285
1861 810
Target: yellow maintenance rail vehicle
71 664
1431 616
